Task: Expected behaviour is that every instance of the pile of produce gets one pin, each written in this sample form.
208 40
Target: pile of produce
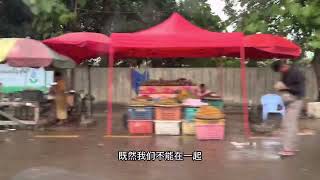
209 121
209 115
178 82
209 112
183 95
141 101
168 102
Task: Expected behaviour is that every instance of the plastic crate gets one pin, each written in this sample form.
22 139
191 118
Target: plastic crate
210 132
168 113
140 127
190 113
140 113
188 128
218 103
167 127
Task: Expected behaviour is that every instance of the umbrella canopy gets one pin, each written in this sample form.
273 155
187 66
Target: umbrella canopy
21 52
267 46
80 46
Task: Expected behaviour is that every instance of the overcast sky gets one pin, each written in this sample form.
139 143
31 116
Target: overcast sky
217 7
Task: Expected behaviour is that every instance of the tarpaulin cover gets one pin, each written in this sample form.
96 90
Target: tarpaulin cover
80 46
176 37
267 46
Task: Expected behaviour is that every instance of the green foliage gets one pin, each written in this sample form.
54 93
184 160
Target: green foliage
51 17
133 15
299 18
108 16
199 12
15 19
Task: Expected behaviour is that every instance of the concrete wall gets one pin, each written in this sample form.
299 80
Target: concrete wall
259 81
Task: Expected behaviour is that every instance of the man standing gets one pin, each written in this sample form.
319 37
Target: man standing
292 89
60 99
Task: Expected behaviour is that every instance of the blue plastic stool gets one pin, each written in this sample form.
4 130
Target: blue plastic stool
272 103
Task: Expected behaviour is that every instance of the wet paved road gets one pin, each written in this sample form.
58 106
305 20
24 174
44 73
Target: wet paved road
90 156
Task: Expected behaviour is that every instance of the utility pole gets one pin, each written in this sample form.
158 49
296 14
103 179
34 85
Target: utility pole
75 6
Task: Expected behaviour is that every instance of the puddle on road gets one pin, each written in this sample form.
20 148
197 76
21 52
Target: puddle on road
264 150
252 154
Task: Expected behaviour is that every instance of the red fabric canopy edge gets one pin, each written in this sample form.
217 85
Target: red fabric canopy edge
80 46
176 37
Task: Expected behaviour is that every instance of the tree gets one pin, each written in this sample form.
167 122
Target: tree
199 12
300 19
54 17
51 17
107 16
15 19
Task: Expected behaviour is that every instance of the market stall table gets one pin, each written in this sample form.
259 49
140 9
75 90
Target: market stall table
14 121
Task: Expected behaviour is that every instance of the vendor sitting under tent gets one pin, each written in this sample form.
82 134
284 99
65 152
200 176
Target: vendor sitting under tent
202 91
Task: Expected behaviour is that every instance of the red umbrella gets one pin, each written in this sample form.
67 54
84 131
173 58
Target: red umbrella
80 46
267 46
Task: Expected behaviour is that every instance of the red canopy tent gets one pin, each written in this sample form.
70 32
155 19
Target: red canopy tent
80 46
176 37
267 46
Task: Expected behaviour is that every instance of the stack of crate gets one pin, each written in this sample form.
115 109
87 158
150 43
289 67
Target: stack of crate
210 123
140 119
188 124
168 120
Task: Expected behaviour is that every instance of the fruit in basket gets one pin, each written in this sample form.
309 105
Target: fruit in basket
183 95
209 112
140 102
168 101
208 121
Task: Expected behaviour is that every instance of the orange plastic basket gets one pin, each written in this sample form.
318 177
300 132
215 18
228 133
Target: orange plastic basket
168 113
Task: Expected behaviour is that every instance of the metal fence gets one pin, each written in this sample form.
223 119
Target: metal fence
259 81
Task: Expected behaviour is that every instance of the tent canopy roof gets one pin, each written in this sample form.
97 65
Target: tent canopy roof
267 46
80 46
176 37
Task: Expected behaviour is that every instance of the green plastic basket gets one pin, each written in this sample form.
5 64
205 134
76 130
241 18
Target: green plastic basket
215 103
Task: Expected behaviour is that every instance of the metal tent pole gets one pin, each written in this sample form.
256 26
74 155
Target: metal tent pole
110 88
244 93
